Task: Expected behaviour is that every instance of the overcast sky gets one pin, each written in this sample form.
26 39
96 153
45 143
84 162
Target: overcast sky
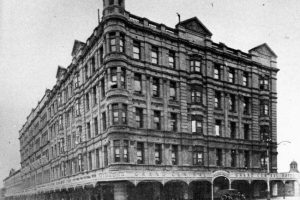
37 36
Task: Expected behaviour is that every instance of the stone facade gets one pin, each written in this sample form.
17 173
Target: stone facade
142 96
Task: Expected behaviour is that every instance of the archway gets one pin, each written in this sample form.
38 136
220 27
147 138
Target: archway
149 190
259 189
199 190
176 190
220 183
242 186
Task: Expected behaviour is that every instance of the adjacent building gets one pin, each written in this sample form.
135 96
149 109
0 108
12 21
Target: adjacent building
146 111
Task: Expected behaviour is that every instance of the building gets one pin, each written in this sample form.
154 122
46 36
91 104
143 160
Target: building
146 111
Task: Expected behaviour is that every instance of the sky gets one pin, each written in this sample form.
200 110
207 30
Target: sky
37 36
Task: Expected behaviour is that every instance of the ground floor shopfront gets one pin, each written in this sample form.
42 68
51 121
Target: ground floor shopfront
153 185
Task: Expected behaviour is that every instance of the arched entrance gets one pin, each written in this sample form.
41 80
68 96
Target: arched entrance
242 186
199 190
259 189
220 183
149 190
176 190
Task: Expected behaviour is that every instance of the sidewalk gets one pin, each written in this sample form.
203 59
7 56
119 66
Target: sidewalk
281 198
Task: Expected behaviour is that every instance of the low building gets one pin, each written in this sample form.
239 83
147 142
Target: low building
146 111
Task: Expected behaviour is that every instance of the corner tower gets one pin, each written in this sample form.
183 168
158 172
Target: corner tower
113 7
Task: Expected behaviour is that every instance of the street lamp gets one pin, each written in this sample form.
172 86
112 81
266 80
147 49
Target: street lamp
269 140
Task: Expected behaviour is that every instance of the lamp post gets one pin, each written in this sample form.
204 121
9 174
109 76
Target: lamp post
269 140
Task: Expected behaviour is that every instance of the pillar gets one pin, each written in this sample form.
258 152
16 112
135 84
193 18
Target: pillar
212 190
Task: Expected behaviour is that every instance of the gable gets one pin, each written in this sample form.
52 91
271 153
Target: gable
196 26
60 72
76 46
264 50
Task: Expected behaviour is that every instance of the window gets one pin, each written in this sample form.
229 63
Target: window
136 50
115 113
171 59
96 125
197 156
112 42
123 78
154 55
172 90
173 122
117 156
246 131
264 133
124 114
80 163
264 108
90 161
76 82
245 79
93 66
246 106
232 103
233 158
95 100
138 83
157 122
59 97
73 139
102 82
246 159
125 151
101 55
68 142
139 117
217 100
197 124
218 127
158 153
105 155
114 77
77 107
219 157
79 134
232 129
60 122
111 2
97 159
196 66
264 82
231 75
87 101
217 71
120 2
104 121
122 41
196 95
88 130
155 87
140 153
86 72
174 154
263 160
